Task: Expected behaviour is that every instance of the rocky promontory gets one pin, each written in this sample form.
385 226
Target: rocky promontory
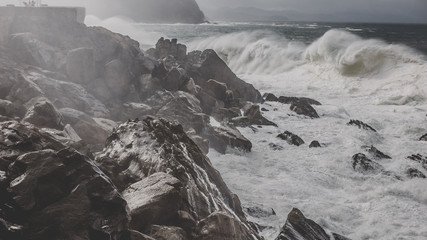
101 140
151 11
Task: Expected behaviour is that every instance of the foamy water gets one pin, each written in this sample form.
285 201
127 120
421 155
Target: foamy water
382 84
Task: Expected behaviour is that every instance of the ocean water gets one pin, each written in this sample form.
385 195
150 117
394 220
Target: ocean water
376 73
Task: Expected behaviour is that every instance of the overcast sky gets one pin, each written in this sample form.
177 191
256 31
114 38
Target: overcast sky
351 10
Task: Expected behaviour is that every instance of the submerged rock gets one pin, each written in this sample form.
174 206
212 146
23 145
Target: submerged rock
315 144
291 138
363 164
415 173
361 125
252 116
224 137
291 100
377 154
423 138
270 97
299 227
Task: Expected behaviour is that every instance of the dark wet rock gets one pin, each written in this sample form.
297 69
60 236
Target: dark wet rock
55 191
217 89
423 138
259 212
153 200
420 159
303 108
12 110
275 147
44 115
299 227
265 110
291 100
252 116
415 173
208 65
80 65
221 226
137 150
117 78
175 79
363 164
339 237
291 138
224 137
377 154
270 97
135 235
361 125
315 144
166 232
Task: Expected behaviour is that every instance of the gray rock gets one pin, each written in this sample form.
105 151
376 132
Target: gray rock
224 137
117 78
415 173
299 227
44 115
270 97
363 164
252 116
303 108
291 100
423 138
291 138
315 144
166 233
12 110
80 65
175 79
361 125
153 200
377 154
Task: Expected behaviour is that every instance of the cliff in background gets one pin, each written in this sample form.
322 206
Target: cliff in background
152 11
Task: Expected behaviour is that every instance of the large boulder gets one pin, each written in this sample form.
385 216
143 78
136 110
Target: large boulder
252 116
304 108
299 227
153 200
140 149
44 115
55 192
224 137
80 65
208 65
291 139
12 110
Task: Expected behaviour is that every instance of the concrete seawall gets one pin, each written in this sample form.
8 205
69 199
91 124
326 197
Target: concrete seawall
11 15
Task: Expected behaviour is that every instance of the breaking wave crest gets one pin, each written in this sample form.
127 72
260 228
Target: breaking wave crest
266 52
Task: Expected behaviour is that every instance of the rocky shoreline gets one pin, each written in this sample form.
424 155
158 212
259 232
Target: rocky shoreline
101 140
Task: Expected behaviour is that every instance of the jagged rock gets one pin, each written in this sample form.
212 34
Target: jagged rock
44 115
415 173
363 164
218 90
12 110
224 137
175 79
56 191
339 237
201 142
166 47
291 138
80 65
251 116
420 159
85 126
132 110
185 109
299 227
423 138
226 114
291 100
361 125
137 150
208 103
166 233
270 97
153 200
315 144
221 226
259 212
303 108
377 154
275 147
208 65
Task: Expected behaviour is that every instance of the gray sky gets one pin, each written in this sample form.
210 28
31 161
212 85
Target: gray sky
324 10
